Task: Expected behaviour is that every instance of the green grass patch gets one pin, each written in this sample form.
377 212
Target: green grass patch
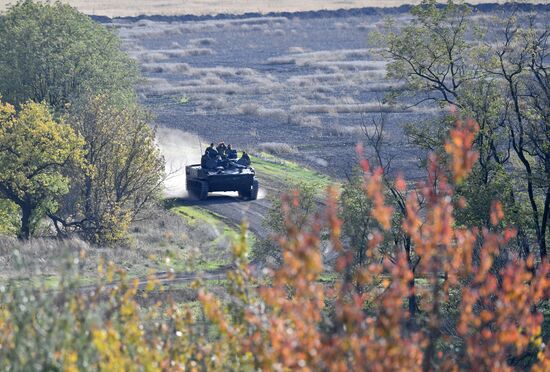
328 277
194 306
194 215
48 282
216 255
183 100
271 167
209 265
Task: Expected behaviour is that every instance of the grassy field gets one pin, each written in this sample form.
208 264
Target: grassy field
180 239
216 253
280 171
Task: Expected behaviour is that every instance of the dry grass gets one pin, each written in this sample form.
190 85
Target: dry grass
158 55
366 26
306 58
201 7
145 29
264 84
149 243
338 130
148 56
382 86
277 148
202 42
169 68
229 88
213 103
307 121
378 66
254 109
313 79
262 27
136 31
196 72
207 82
346 108
341 26
163 241
153 82
367 80
222 71
296 50
212 80
256 21
278 115
248 109
287 60
276 32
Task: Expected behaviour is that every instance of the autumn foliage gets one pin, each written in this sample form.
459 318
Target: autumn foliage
474 314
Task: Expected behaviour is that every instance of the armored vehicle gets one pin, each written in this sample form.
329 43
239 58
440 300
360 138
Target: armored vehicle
234 177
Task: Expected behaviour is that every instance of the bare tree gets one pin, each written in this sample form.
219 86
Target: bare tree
522 66
499 79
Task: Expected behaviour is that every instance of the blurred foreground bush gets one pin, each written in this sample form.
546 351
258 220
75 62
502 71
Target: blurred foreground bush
473 314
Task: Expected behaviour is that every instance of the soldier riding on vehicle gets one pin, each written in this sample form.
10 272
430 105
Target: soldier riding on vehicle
220 170
231 154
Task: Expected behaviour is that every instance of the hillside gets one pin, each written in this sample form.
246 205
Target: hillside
123 8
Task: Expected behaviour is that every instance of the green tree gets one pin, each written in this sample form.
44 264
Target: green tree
356 217
53 53
431 53
9 219
34 151
305 201
358 210
126 170
520 63
56 55
501 80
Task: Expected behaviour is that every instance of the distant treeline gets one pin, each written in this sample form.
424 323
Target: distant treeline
340 13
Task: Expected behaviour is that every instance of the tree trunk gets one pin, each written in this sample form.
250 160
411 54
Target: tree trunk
544 224
413 306
25 231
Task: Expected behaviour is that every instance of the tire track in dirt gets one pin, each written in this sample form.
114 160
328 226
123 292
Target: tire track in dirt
235 210
165 278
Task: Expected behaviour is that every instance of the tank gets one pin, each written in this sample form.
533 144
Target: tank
231 178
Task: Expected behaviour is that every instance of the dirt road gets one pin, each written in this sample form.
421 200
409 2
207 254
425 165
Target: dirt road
179 149
235 210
